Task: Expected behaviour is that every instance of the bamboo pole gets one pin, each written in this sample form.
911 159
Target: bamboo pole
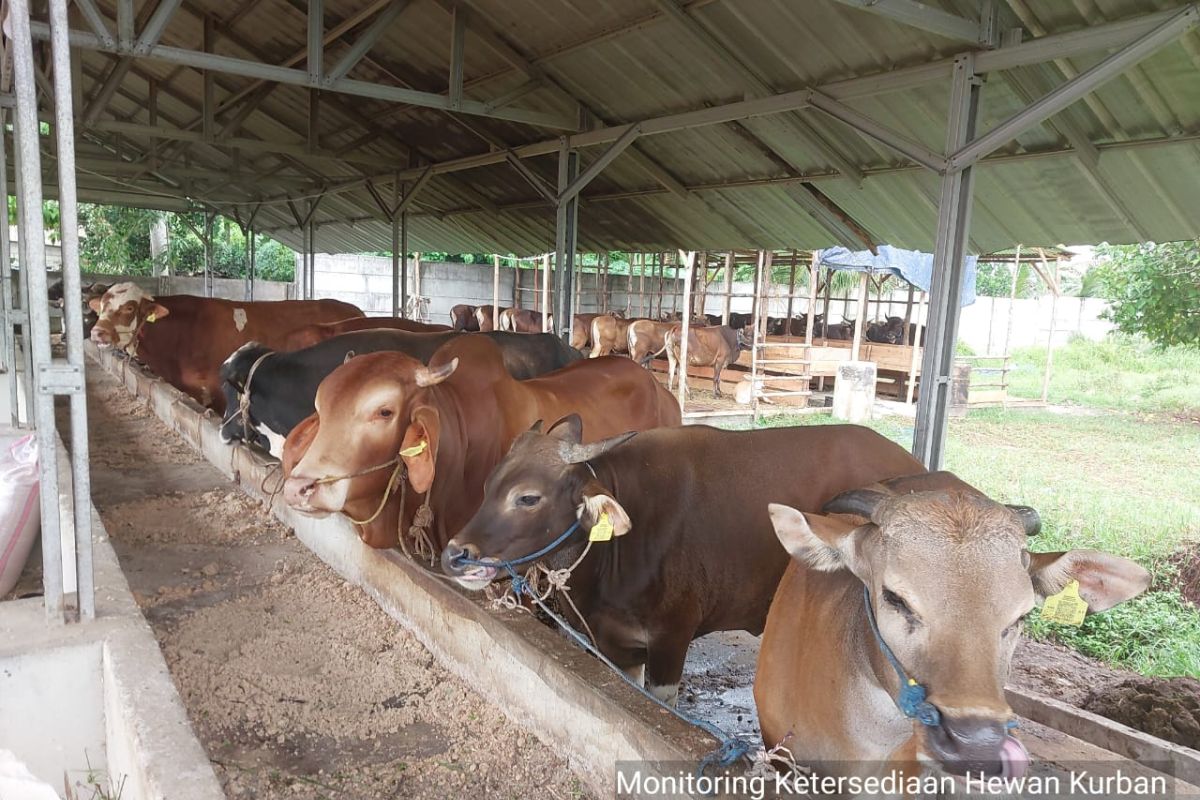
916 349
495 293
685 331
813 271
861 322
546 260
1053 312
729 269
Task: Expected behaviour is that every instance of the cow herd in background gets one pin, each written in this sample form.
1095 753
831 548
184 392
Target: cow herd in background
476 447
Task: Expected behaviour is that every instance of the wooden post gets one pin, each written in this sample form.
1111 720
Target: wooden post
495 293
916 349
1053 312
825 305
537 295
813 271
729 270
1012 300
658 257
546 261
604 282
908 306
681 389
517 284
791 295
641 284
674 287
861 315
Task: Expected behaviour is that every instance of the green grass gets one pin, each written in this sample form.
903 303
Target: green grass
1117 482
1120 373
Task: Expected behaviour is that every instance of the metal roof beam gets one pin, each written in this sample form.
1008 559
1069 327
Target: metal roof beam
458 45
1074 89
368 39
516 93
255 69
316 41
923 16
615 149
837 223
532 178
104 94
881 133
95 21
125 24
156 25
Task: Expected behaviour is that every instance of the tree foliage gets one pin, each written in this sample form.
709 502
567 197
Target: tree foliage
1154 289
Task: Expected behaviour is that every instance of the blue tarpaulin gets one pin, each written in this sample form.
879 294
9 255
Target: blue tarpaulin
911 265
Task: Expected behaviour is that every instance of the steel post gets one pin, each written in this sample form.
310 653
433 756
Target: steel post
954 223
8 334
395 265
566 220
404 260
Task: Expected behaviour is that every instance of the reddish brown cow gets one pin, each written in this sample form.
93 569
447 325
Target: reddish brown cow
309 335
451 422
609 335
483 318
715 347
185 339
462 318
523 320
646 339
692 549
947 577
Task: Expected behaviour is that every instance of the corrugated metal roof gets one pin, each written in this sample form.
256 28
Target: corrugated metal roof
625 62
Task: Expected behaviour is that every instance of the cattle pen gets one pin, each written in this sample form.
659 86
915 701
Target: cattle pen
700 135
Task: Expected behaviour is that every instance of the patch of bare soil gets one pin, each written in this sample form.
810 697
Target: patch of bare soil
296 683
1061 672
1168 708
1187 560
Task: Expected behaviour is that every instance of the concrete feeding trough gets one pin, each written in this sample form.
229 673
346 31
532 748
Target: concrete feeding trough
92 704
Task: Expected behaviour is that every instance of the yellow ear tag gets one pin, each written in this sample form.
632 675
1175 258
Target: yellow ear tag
151 317
1066 607
415 450
602 531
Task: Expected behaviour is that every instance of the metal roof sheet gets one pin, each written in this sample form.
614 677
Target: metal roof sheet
623 60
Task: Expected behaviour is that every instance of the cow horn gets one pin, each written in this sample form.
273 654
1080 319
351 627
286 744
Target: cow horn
1029 518
349 355
431 376
579 453
536 427
860 502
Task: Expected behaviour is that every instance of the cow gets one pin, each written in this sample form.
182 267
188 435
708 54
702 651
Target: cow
184 339
707 347
277 388
797 326
646 339
462 318
448 424
738 320
93 290
693 550
609 335
581 328
483 318
842 331
891 331
316 333
523 320
940 579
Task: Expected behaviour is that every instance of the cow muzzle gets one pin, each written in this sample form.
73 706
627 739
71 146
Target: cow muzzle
470 576
976 745
307 495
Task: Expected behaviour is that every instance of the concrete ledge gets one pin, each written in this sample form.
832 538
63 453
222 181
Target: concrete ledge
546 685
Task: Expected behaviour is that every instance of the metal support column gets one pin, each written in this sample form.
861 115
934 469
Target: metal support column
404 260
209 218
23 257
564 244
954 223
396 265
9 359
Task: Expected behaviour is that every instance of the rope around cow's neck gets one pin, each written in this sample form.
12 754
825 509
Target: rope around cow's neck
244 400
397 461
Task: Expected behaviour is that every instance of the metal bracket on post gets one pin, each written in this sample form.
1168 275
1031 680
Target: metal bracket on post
56 379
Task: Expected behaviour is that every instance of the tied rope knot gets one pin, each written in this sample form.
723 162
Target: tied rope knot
419 532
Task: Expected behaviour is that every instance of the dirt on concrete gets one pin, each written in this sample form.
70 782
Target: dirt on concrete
297 684
1168 708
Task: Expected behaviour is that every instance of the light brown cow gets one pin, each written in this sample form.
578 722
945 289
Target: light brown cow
949 579
318 332
646 340
483 318
715 347
185 339
609 335
523 320
467 409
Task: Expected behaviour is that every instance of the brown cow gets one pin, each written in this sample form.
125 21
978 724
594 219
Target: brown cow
581 329
185 339
483 317
646 340
523 320
949 579
890 331
467 410
608 334
309 335
462 318
693 548
707 347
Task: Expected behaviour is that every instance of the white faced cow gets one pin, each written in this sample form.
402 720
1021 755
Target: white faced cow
927 595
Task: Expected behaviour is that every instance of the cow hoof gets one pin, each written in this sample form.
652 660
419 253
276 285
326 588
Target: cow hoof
666 694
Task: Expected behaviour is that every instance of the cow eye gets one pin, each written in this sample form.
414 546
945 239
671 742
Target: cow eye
528 500
385 413
897 602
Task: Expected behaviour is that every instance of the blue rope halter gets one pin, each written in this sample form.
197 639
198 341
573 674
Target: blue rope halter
730 749
911 700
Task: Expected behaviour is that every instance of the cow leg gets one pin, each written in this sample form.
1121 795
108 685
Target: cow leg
637 674
717 380
664 664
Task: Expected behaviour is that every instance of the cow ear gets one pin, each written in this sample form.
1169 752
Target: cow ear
569 429
596 502
94 304
297 442
1104 580
821 543
419 448
152 311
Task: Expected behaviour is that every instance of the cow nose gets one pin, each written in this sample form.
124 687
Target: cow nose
297 491
969 744
453 555
101 335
